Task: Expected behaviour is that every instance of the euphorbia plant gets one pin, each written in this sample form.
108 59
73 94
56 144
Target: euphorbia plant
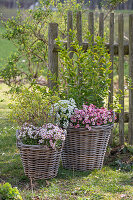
32 105
31 110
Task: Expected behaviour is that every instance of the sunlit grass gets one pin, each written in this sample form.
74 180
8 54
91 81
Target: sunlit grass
6 48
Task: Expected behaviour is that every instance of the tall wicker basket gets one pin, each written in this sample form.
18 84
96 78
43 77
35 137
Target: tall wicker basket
85 150
39 162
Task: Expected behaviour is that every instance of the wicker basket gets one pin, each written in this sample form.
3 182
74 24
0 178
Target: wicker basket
84 150
39 162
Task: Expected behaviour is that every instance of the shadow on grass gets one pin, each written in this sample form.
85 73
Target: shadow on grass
71 174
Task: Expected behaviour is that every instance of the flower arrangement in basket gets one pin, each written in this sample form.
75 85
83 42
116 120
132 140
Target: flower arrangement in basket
39 139
87 138
85 78
49 134
91 116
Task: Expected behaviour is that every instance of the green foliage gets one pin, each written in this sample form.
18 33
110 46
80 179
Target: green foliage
112 3
116 105
7 192
85 76
29 33
32 105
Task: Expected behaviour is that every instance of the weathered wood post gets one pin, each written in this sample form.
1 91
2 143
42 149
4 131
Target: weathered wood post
79 38
101 25
69 28
79 27
91 25
111 49
52 55
130 125
121 75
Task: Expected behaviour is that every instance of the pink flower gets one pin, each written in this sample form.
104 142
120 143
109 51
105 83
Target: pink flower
87 126
110 120
78 125
98 124
71 124
90 115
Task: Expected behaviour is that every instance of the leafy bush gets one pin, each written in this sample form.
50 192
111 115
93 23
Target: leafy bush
85 76
9 193
29 32
32 105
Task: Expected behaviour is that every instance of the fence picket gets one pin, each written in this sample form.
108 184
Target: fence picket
52 55
79 27
69 27
121 75
130 125
91 25
111 49
101 25
79 38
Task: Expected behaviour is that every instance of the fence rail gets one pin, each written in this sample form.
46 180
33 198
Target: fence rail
120 49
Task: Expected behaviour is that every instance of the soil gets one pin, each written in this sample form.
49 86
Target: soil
120 157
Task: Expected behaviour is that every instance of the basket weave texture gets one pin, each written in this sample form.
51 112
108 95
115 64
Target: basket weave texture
39 162
85 150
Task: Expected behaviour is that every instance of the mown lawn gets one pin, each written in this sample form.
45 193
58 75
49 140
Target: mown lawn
113 182
6 46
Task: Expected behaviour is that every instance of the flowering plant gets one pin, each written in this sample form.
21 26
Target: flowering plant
91 116
48 134
64 109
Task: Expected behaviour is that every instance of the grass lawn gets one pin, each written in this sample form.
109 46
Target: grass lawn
6 48
113 182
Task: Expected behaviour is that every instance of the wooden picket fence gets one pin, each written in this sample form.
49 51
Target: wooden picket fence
120 49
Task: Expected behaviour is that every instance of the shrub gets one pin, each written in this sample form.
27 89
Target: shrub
7 192
32 105
85 76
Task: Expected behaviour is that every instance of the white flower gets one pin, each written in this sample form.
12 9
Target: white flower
64 110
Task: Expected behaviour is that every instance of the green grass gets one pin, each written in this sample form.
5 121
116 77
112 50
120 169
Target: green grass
6 47
8 12
110 183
